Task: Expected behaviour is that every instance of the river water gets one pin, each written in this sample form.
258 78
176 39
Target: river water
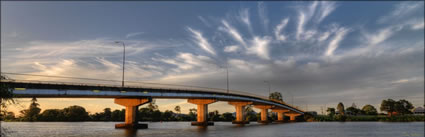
220 129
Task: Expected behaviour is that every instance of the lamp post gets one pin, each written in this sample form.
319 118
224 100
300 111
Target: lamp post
227 75
123 61
268 82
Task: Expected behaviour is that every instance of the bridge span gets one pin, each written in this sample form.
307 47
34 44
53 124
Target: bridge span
135 95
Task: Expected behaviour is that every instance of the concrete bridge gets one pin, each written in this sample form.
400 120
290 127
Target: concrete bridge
133 96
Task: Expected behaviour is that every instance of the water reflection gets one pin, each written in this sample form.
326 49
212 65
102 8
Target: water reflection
184 129
130 132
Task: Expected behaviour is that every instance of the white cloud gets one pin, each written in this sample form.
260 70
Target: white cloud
380 36
244 17
133 34
279 28
289 63
187 61
232 48
418 25
406 80
201 41
233 32
324 36
300 27
401 10
325 9
334 43
260 47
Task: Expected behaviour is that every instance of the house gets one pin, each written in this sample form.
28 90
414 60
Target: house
419 111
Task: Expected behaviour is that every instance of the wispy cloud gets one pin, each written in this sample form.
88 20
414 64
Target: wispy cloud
381 35
233 33
334 43
402 10
232 48
202 41
262 12
279 28
133 34
325 9
204 21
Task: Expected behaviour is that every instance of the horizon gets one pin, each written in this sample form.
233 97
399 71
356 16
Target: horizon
318 53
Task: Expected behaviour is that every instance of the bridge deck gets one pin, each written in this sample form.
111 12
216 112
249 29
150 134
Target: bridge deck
24 88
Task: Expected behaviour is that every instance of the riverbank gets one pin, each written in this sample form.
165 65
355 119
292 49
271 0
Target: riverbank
381 118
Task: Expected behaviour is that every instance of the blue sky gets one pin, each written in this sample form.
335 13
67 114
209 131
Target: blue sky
321 53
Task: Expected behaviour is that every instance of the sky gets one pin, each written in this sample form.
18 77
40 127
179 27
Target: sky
316 54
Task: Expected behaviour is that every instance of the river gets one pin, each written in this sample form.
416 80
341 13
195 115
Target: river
220 129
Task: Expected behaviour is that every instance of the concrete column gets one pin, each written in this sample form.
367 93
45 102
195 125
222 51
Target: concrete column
240 107
202 112
264 109
280 113
292 116
131 106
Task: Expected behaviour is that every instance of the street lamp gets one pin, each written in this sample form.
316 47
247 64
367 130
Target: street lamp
268 82
227 74
123 61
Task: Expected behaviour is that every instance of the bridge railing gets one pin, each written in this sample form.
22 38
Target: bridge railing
146 85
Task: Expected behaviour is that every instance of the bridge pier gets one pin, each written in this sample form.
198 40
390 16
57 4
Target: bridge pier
292 115
202 111
131 106
240 108
280 114
264 109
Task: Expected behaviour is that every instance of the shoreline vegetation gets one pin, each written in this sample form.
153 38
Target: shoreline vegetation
153 114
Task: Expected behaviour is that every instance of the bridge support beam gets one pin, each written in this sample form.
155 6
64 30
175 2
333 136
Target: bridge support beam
131 106
202 111
264 109
292 116
280 114
240 108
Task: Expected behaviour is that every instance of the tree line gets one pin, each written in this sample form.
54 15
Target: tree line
148 113
396 111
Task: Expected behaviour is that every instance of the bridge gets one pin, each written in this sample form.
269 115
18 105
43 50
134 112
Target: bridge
132 96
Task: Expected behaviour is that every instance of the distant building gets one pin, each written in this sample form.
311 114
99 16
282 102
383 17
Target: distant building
419 110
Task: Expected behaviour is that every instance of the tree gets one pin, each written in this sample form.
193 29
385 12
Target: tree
369 110
403 107
353 110
177 109
168 115
118 115
331 111
340 108
250 114
32 113
227 116
75 113
276 96
192 113
214 116
388 106
106 114
52 115
6 96
152 106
